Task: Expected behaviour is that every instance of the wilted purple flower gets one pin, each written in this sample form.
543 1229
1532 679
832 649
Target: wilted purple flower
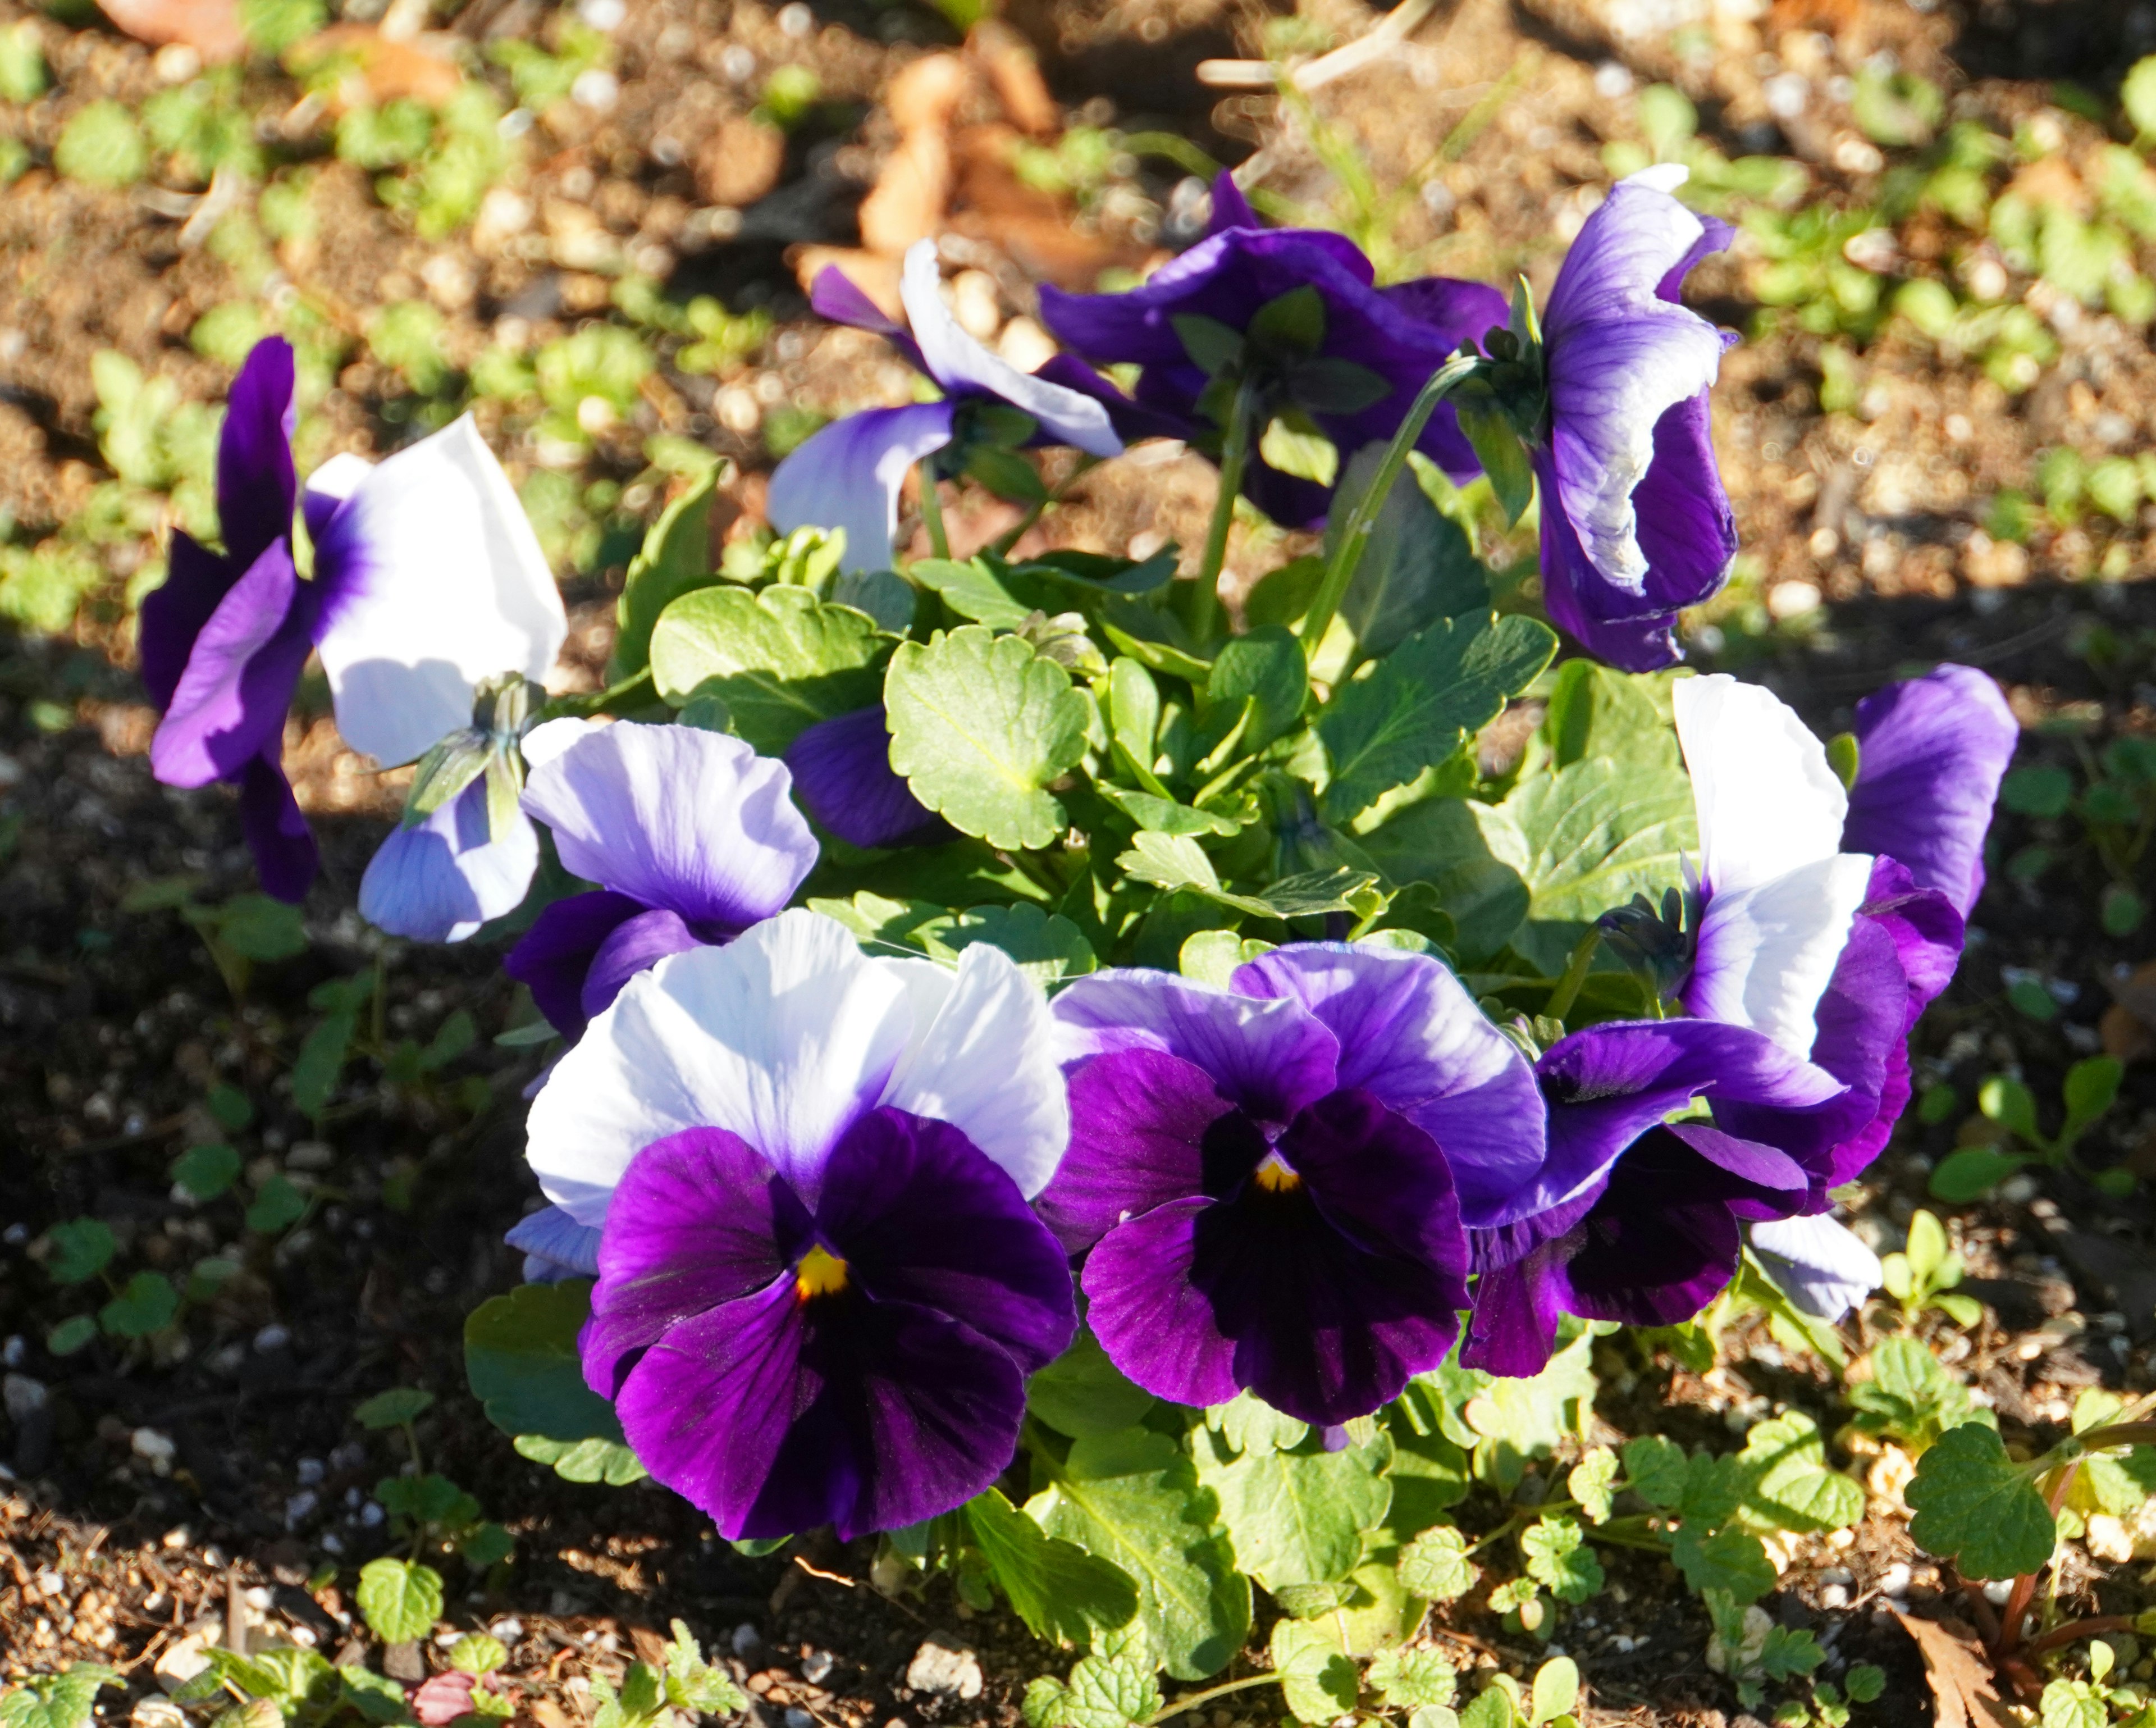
1377 347
843 776
1268 1181
821 1287
1635 525
849 475
690 833
426 579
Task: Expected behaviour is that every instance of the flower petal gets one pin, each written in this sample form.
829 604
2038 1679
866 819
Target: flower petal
1626 630
836 296
843 778
230 703
441 880
1931 751
691 821
1824 1269
848 477
1140 1120
286 855
254 480
173 613
555 1246
1409 1034
1513 1331
1271 1056
1766 952
1767 799
1230 209
1686 530
554 957
785 1037
432 580
634 945
1151 1318
963 367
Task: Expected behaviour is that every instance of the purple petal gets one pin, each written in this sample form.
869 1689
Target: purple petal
1757 1180
1512 1330
286 855
1381 1181
1462 311
1131 419
1151 1318
1932 752
843 777
173 613
834 295
255 484
1928 933
1230 209
555 1246
230 705
1270 1055
849 475
442 879
691 821
1659 1246
1578 597
1826 1270
922 1216
633 946
1140 1120
1686 530
1411 1035
555 955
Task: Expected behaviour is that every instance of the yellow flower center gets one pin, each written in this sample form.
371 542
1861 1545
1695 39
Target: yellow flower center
1274 1177
820 1273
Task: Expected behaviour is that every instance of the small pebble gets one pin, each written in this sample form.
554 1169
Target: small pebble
947 1667
508 1629
746 1638
372 1514
299 1507
795 1717
15 1352
816 1665
1997 1591
258 1598
272 1337
1894 1582
1835 1595
310 1471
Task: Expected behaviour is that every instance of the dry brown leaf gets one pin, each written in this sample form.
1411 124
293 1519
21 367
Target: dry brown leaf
1015 73
209 27
2128 1025
383 70
2050 180
874 274
924 95
911 194
1959 1675
741 161
1034 228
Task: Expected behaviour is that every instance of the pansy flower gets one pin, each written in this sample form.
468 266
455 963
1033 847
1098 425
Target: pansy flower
820 1286
689 835
1350 362
426 580
843 777
847 476
1268 1181
1635 525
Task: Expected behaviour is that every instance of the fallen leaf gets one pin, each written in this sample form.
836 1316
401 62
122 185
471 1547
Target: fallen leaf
1014 72
2050 180
1958 1674
442 1700
741 161
209 27
384 70
911 194
924 95
2128 1025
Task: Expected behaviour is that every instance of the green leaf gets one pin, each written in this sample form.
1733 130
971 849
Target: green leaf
1732 1560
1417 566
1435 1567
101 145
2040 791
1164 815
80 1249
2092 1086
375 1697
1786 1484
1047 946
1656 1468
1498 449
393 1408
2072 1704
1557 1558
230 1106
1596 712
1591 1481
1437 841
780 659
1246 1422
258 927
1971 1172
1292 445
1293 322
147 1304
1421 702
1063 1594
1176 861
1790 1653
1112 1687
73 1333
1586 839
995 595
401 1599
1556 1691
476 1653
1413 1679
1318 1678
1133 1498
1911 1396
1211 345
1977 1507
980 727
1296 1517
207 1171
320 1061
1532 1417
1082 1392
277 1205
521 1359
60 1701
1267 667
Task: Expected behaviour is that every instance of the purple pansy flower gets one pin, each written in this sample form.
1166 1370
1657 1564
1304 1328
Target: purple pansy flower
426 579
1395 337
843 776
820 1286
1268 1181
689 835
849 475
1635 525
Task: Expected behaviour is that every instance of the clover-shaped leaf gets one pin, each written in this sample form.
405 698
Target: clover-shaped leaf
1976 1506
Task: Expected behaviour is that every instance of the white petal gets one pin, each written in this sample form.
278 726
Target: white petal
1662 176
1824 1269
547 741
1767 799
784 1037
986 1063
433 581
441 879
1767 954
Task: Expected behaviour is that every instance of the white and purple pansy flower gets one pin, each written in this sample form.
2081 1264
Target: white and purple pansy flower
821 1287
1635 525
1268 1182
847 476
427 579
689 835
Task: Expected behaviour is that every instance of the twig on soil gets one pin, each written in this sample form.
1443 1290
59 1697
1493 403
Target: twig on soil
1390 32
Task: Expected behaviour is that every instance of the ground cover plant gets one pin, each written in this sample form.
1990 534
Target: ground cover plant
1216 1115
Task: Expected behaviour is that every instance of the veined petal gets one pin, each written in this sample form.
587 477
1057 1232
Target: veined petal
843 777
554 957
634 945
1824 1269
847 476
694 822
555 1246
1140 1121
1153 1321
1766 952
1932 752
1413 1037
963 367
1230 209
230 703
785 1037
254 481
432 580
173 613
986 1063
442 879
1767 799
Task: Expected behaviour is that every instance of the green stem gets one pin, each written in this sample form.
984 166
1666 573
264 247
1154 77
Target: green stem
1005 541
1234 457
1176 1707
1347 551
582 707
931 510
1575 975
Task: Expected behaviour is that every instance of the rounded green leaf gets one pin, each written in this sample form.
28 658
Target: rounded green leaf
101 145
1976 1506
147 1303
81 1248
780 659
1972 1173
980 727
401 1599
393 1408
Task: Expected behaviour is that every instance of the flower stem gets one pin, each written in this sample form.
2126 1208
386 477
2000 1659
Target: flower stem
1234 457
931 511
1575 975
1348 550
1006 541
1191 1700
